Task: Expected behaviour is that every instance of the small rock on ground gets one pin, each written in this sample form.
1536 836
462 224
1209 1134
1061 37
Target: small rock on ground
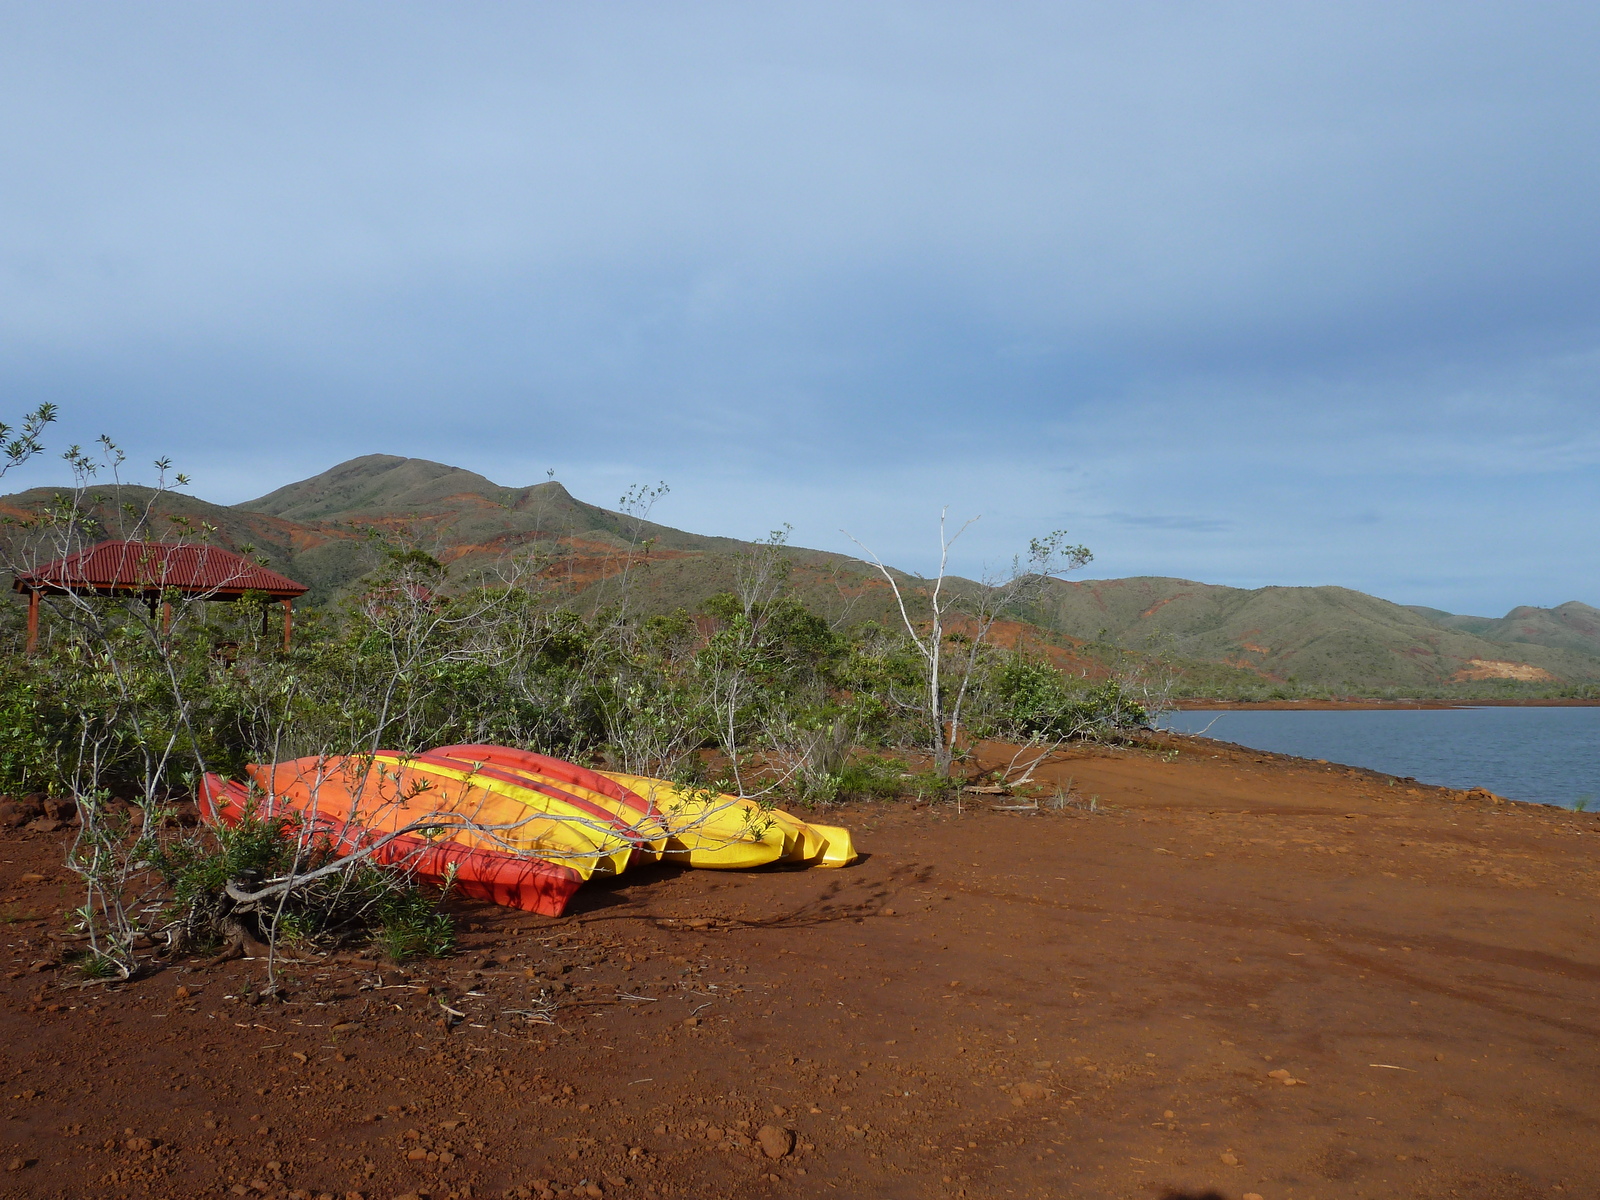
775 1142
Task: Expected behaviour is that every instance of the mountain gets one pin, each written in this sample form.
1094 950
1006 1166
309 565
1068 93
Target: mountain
324 532
1323 637
1570 626
459 512
467 521
328 532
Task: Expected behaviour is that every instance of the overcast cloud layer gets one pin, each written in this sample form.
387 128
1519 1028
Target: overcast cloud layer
1246 293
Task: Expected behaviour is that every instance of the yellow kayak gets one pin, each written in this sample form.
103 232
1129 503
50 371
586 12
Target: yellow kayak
717 830
837 849
707 829
815 845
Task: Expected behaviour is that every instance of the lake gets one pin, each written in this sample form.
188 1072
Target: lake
1546 755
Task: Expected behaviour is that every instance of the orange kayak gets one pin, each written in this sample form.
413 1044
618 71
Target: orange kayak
515 827
480 872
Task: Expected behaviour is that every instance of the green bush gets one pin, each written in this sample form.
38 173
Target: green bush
30 734
868 777
1028 697
410 925
361 903
930 785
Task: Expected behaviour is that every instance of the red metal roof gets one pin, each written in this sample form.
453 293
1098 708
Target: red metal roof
193 569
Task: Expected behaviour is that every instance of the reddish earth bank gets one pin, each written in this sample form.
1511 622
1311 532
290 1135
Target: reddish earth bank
1238 974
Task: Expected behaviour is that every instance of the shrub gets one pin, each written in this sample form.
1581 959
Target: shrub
410 925
30 732
931 785
362 902
866 778
1030 698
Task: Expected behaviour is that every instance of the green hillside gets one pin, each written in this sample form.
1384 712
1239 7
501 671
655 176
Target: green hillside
1319 638
1570 626
467 521
325 531
459 511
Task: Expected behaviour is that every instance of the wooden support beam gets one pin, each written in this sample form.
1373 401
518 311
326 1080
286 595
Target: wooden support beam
33 619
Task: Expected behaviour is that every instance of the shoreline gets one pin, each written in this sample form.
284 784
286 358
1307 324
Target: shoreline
1432 775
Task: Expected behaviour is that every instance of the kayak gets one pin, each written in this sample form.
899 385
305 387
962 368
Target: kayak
705 829
637 814
388 791
517 828
713 829
570 824
480 872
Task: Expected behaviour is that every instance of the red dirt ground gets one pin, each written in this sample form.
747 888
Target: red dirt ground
992 1004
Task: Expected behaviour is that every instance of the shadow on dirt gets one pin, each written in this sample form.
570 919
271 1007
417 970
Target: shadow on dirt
865 899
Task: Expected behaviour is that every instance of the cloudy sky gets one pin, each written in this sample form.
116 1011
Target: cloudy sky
1247 293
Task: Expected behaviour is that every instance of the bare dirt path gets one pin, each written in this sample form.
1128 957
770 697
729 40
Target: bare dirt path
1241 974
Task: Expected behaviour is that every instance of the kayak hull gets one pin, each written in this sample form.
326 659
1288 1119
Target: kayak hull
635 815
513 880
732 833
516 828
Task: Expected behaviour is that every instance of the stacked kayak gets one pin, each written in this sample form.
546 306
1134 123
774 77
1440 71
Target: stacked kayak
521 829
716 830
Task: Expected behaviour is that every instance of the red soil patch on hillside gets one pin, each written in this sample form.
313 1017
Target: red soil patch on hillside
1062 653
579 562
991 1004
1160 604
303 538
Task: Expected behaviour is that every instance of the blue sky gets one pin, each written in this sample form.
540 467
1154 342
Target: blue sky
1245 293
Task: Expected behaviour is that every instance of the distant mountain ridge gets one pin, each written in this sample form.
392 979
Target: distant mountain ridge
462 508
464 519
1570 626
1330 637
1229 640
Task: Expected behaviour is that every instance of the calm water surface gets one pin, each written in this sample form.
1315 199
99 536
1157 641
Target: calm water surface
1548 755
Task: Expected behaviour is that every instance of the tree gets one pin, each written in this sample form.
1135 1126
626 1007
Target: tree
950 653
17 446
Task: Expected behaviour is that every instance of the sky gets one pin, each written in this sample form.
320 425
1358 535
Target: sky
1244 293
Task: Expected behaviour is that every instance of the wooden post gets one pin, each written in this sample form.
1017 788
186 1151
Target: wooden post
33 619
166 618
288 624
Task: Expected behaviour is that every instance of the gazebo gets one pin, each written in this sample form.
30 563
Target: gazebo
149 570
